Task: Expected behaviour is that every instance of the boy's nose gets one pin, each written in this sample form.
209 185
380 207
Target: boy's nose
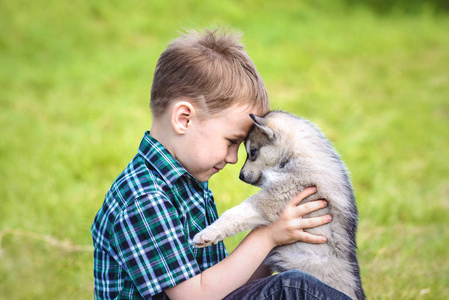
232 157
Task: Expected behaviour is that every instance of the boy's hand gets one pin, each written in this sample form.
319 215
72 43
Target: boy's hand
289 228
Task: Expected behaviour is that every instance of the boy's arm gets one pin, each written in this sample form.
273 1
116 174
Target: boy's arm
237 269
229 274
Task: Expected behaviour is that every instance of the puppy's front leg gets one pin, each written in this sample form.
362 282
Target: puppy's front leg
239 218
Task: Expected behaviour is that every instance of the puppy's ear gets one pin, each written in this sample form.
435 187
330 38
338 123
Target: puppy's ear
261 124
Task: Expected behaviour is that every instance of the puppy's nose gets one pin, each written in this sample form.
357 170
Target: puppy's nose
241 176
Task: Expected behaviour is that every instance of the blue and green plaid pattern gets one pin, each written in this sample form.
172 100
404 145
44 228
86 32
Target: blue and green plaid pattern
143 232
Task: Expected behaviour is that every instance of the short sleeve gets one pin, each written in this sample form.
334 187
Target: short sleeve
151 245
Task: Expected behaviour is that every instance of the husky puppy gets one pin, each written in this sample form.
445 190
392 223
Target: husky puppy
286 154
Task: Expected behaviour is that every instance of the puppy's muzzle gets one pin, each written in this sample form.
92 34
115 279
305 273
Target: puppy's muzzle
242 176
248 178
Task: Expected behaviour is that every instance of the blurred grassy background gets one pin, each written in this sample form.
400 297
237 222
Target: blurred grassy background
75 80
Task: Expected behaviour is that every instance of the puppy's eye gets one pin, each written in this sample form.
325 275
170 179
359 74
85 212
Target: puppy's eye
252 154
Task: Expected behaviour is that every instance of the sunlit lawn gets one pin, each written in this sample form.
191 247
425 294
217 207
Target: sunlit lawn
75 81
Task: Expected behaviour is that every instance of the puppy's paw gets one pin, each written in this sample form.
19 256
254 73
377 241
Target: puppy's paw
206 238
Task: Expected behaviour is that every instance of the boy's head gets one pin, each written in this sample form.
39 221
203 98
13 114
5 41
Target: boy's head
212 70
204 88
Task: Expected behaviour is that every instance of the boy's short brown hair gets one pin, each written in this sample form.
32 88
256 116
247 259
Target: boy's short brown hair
212 70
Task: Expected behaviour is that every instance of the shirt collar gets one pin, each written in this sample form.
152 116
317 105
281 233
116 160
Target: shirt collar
168 167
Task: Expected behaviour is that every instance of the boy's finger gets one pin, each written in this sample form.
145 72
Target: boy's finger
311 206
314 222
303 194
312 239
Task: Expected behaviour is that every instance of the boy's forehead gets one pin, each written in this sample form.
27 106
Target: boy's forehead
241 111
240 128
241 116
235 120
241 135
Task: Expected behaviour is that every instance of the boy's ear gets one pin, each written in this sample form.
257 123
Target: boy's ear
182 115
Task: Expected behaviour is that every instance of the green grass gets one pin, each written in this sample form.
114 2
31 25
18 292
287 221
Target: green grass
75 80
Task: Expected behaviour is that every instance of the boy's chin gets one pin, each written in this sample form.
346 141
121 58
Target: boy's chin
206 175
203 177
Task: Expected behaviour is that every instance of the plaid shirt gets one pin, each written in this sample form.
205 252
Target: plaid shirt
143 232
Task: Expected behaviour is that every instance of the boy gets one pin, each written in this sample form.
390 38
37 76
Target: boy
204 88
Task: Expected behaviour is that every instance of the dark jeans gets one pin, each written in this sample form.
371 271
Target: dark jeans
286 285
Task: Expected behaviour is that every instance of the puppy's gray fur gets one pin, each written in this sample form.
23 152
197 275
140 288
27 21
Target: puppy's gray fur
286 154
